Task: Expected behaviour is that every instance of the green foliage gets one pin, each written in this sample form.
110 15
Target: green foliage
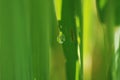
24 40
69 30
31 30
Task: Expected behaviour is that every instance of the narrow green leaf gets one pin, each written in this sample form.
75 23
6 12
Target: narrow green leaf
69 30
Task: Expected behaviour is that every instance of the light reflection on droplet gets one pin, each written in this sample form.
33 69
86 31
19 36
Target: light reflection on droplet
61 38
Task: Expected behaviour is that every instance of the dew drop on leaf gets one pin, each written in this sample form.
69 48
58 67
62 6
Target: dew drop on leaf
61 38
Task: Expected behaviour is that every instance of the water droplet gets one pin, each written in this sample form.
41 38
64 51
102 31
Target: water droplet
61 38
